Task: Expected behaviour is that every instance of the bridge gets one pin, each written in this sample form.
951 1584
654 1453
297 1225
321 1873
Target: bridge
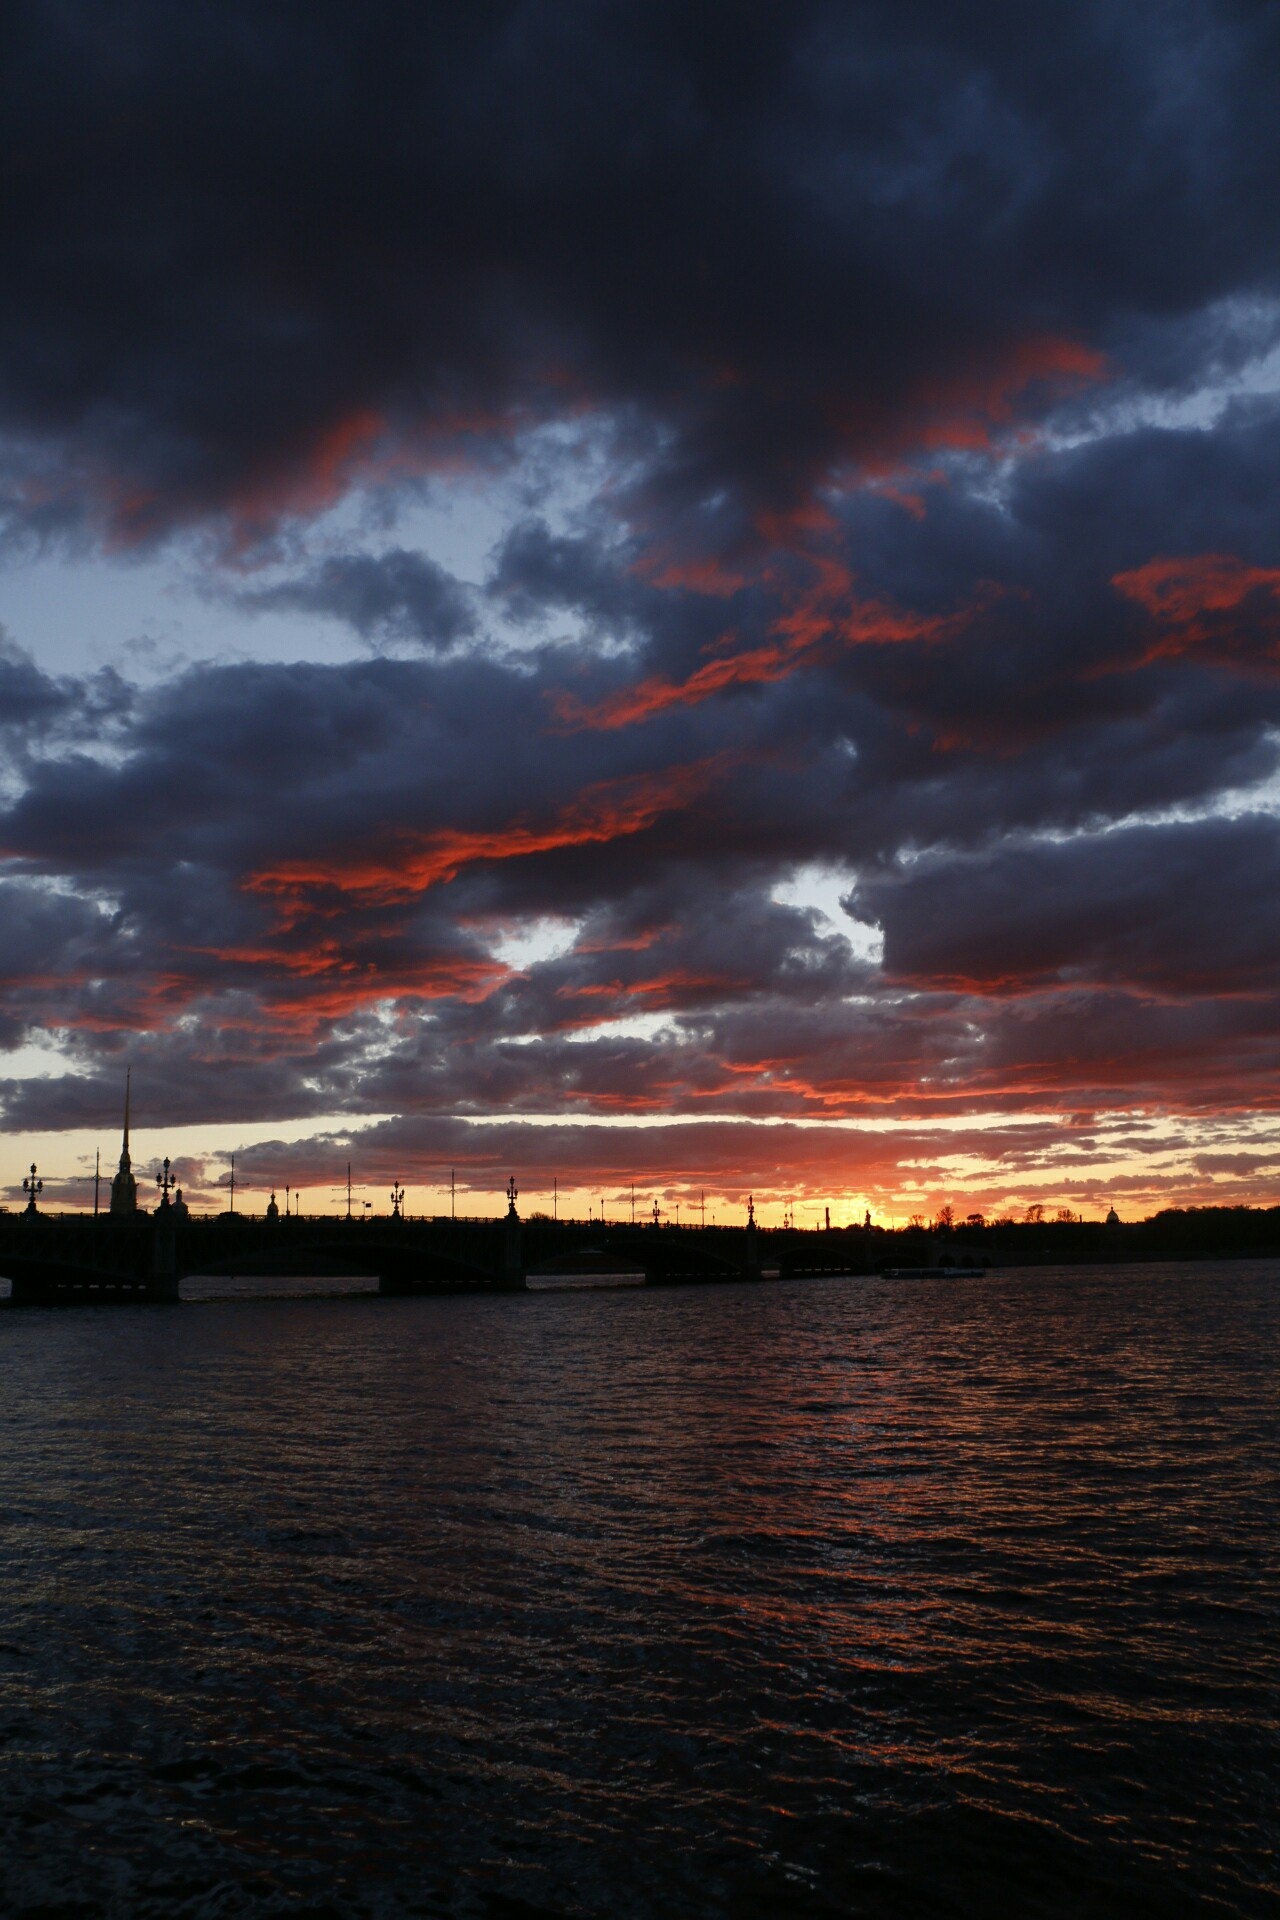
85 1259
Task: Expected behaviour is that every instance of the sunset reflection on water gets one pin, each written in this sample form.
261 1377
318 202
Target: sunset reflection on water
827 1597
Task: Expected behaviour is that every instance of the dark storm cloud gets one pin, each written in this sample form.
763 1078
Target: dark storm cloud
42 712
42 928
254 767
697 948
246 245
1045 648
48 941
282 851
28 697
394 596
537 572
1189 908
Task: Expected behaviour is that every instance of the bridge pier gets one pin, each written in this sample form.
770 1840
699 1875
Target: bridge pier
512 1250
164 1254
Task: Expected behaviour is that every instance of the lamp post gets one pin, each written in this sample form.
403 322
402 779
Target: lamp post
346 1190
165 1182
31 1186
397 1197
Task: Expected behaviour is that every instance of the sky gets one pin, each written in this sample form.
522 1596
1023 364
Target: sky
666 596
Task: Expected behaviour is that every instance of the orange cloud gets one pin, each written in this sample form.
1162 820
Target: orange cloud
295 992
817 627
363 448
452 978
610 810
707 575
150 1004
327 957
341 453
785 531
346 979
965 412
1208 601
665 988
633 943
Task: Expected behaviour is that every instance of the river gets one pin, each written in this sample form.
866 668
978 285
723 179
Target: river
822 1598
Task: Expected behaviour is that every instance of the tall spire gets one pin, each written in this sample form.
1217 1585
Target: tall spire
124 1188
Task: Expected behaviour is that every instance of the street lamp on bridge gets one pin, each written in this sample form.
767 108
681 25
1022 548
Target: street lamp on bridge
31 1187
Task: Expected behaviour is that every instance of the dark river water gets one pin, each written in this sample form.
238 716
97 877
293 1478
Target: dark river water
831 1597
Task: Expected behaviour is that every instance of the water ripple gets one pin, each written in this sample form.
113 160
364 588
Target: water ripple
838 1597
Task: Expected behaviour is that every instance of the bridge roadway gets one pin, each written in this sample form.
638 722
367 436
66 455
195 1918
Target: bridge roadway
81 1260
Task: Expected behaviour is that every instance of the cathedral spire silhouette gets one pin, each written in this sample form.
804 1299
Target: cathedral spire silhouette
124 1188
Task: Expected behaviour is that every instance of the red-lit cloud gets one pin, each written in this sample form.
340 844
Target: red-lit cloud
333 986
821 621
968 410
1211 604
610 810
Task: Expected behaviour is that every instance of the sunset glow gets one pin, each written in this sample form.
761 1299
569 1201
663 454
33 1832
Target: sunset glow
453 607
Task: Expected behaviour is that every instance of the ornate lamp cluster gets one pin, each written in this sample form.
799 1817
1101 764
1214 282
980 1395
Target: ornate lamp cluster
31 1186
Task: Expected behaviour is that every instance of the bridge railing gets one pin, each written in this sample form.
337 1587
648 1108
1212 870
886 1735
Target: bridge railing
205 1221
